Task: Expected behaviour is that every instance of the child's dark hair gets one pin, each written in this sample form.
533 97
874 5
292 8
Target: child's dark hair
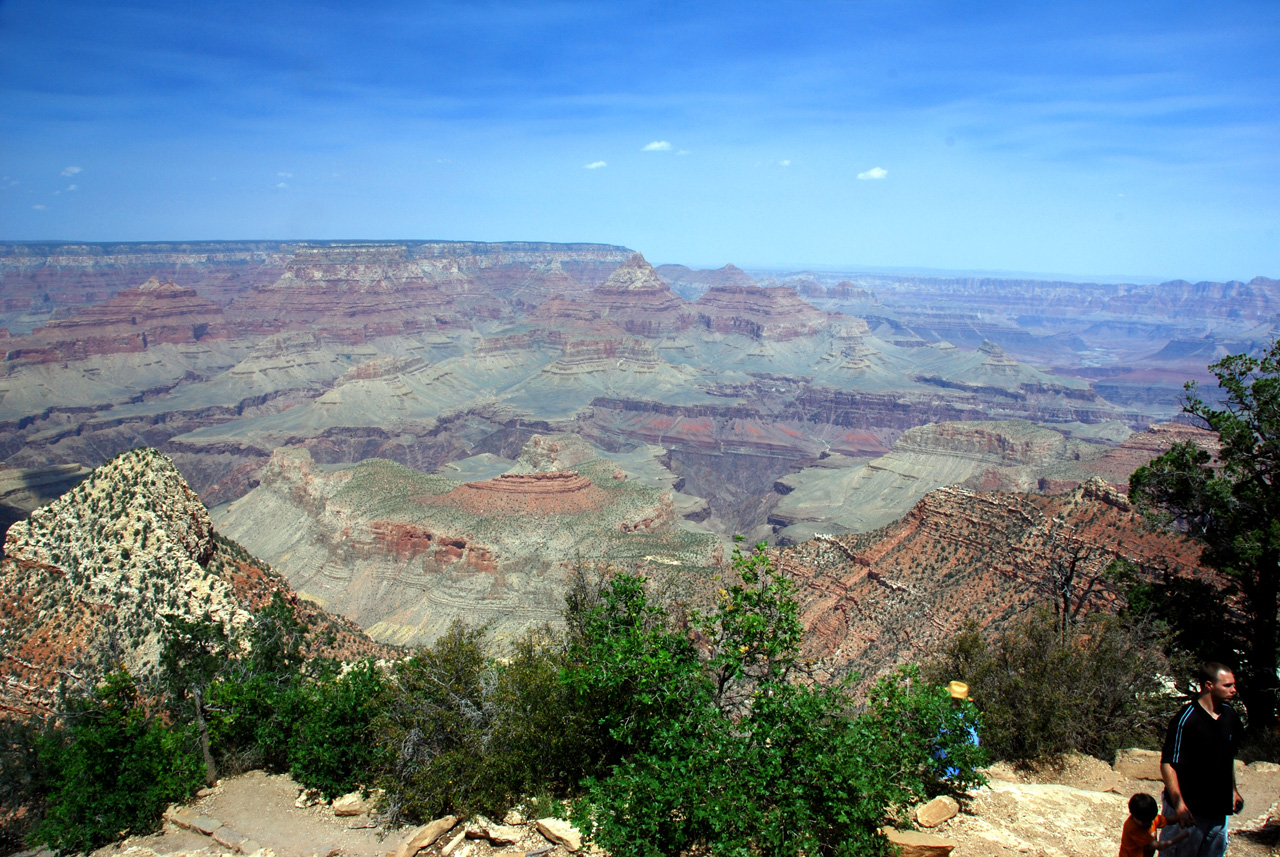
1143 807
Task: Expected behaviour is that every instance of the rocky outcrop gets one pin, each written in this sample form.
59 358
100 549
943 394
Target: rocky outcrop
878 599
775 313
155 313
89 579
637 300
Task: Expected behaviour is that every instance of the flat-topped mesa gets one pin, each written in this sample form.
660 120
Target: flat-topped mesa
775 313
560 482
637 299
154 313
564 492
350 293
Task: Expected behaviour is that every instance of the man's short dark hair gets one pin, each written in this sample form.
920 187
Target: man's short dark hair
1142 806
1210 670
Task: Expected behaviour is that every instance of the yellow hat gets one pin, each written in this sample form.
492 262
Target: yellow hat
958 689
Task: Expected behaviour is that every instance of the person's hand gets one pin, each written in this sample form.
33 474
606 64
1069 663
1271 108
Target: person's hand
1181 812
1239 801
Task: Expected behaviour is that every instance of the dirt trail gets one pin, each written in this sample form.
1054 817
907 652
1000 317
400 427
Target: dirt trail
1073 811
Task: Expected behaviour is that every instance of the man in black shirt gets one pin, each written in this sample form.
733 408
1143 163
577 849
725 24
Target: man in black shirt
1198 766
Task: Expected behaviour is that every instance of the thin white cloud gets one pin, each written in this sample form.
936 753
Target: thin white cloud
683 152
285 175
282 184
874 173
39 206
594 165
73 187
71 171
657 146
785 163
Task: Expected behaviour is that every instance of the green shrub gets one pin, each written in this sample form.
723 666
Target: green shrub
22 780
1043 693
111 770
332 748
465 733
738 752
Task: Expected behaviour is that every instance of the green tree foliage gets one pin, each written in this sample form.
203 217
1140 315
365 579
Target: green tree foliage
464 732
1231 505
1043 693
22 779
332 748
111 770
734 752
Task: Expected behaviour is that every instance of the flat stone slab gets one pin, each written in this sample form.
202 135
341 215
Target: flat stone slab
204 824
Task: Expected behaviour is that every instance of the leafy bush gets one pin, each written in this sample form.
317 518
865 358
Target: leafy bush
737 752
111 770
1043 693
22 780
332 748
467 733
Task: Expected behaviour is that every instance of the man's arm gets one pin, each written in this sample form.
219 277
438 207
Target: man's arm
1173 794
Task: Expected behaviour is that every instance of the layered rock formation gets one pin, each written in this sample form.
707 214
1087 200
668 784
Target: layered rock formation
404 554
637 300
775 313
91 578
872 601
354 293
155 313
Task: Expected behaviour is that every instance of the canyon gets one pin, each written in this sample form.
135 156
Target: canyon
415 430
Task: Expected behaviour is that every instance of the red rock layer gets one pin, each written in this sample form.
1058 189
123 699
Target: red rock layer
559 493
133 320
776 313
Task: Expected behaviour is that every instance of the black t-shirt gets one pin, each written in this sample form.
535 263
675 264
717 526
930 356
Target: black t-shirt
1202 750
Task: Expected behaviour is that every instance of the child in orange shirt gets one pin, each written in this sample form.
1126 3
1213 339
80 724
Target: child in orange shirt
1138 839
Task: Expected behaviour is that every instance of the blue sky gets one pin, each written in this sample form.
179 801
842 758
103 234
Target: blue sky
1087 139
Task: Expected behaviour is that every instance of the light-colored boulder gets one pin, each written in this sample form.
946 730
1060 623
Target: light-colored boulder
425 836
1138 764
515 818
497 834
352 803
913 843
561 832
940 809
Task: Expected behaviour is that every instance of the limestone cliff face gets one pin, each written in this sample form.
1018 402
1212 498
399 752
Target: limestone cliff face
876 600
91 577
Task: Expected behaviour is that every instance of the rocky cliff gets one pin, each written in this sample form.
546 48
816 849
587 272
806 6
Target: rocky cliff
874 600
89 580
154 313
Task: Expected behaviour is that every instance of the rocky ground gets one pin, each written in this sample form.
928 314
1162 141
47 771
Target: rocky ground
1075 810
